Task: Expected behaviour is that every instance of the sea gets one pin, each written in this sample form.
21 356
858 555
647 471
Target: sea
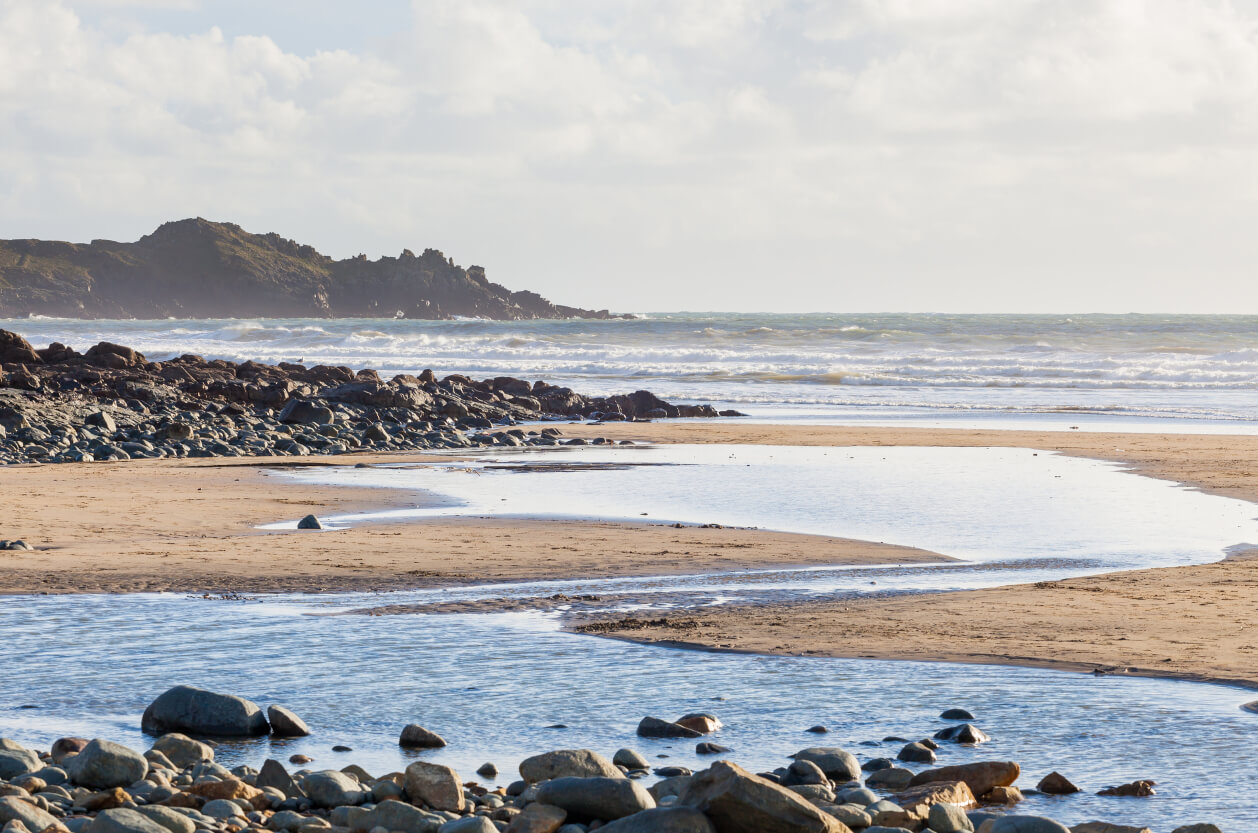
1199 372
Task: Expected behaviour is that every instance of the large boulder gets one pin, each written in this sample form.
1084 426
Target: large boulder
1024 824
329 788
838 764
103 765
580 763
173 820
183 751
188 709
586 799
123 820
1106 827
285 724
980 777
654 727
15 762
274 775
738 802
303 412
400 816
920 799
415 736
662 820
16 350
434 785
16 809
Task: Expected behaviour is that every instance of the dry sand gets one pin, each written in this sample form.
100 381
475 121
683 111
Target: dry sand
188 526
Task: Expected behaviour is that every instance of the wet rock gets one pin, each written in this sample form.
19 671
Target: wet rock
630 759
103 765
701 722
921 798
487 770
301 412
956 714
285 724
417 737
123 820
893 779
183 751
662 820
1056 784
309 522
1106 827
1023 824
1136 789
803 772
838 764
585 799
981 777
917 753
274 775
434 785
965 733
579 763
1197 828
329 788
1002 795
735 801
709 748
817 730
189 709
654 727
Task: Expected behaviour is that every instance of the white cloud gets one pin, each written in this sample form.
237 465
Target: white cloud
677 153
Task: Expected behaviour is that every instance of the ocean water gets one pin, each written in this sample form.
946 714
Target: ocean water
1118 369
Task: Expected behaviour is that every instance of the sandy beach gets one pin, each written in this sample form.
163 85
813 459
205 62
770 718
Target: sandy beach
189 527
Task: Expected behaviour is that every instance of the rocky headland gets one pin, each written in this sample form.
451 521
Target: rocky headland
111 403
97 786
196 268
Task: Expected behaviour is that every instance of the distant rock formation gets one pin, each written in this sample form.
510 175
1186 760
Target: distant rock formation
201 269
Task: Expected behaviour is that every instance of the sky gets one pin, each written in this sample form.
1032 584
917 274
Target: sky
754 155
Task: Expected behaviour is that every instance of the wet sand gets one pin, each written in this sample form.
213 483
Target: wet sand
187 526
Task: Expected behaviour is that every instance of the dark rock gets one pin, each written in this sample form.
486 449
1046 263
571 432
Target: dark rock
838 764
1056 784
309 522
709 748
735 801
285 724
817 730
662 820
956 714
917 753
195 710
964 733
579 763
585 799
417 737
654 727
103 765
302 412
16 350
1136 789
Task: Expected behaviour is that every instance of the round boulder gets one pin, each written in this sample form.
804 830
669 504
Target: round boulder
189 709
415 736
103 765
285 724
586 799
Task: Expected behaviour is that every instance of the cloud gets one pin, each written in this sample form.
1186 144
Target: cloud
871 153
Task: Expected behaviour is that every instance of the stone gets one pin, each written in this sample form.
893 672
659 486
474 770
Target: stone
329 788
662 820
838 764
399 816
581 763
1002 795
123 820
230 789
925 796
1136 789
701 722
1026 824
274 775
738 802
816 793
1106 827
63 748
471 824
889 814
948 818
302 412
668 787
894 779
980 777
537 818
104 800
189 709
964 733
1200 828
586 799
15 762
223 809
956 714
654 727
487 770
803 772
103 765
285 724
183 751
630 759
917 753
17 809
417 737
1056 784
858 795
818 729
852 815
309 522
173 820
435 785
709 748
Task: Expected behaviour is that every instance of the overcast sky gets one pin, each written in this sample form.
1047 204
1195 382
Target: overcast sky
761 155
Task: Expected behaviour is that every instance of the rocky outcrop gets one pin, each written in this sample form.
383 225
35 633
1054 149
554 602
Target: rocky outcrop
200 269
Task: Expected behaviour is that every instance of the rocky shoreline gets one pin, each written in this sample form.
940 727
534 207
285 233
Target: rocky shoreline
110 403
97 786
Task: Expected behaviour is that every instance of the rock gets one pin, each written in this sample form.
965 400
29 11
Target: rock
956 714
662 820
103 765
123 820
630 759
1198 828
435 785
709 748
487 770
894 779
63 748
471 824
188 709
875 764
15 762
309 522
537 818
586 799
183 751
329 788
1027 824
285 724
965 733
17 809
668 787
857 795
735 801
653 727
947 818
803 772
701 722
230 789
172 820
980 777
302 412
1106 827
275 776
1136 789
838 764
1002 795
916 753
921 798
816 793
852 815
400 816
1056 784
417 737
817 730
105 800
581 763
223 810
16 350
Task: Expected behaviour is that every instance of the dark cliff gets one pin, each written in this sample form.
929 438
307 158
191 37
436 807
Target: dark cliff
201 269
